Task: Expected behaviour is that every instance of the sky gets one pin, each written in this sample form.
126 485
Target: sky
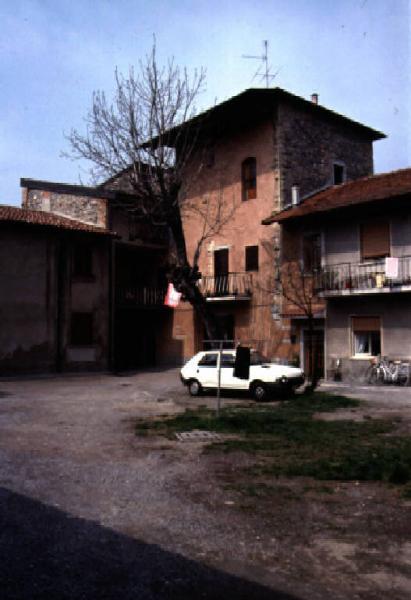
54 53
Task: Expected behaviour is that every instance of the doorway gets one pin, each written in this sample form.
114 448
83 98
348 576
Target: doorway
317 349
221 261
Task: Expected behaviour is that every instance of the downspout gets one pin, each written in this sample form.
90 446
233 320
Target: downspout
61 267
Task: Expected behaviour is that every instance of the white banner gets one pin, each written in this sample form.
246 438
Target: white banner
391 267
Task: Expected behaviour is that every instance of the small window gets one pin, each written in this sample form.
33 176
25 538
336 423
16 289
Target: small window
251 258
366 336
83 260
375 239
312 252
249 179
81 333
338 173
208 360
227 360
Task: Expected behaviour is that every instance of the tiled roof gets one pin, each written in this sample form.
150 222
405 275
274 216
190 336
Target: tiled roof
46 219
260 102
360 191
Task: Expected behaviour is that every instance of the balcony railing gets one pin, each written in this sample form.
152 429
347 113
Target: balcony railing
140 296
367 277
232 286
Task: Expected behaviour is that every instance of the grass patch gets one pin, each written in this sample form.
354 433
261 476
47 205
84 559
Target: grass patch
286 440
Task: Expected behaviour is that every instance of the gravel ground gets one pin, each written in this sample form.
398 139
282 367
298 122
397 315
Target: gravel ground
88 509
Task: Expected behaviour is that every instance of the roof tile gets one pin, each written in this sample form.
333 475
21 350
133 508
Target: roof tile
42 218
360 191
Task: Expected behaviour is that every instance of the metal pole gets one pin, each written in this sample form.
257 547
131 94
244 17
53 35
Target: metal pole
219 380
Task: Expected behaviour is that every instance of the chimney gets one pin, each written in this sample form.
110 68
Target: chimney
295 195
314 98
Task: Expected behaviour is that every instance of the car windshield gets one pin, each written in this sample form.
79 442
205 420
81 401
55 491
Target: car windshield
258 359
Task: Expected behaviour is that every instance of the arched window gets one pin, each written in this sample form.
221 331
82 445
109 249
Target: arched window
249 178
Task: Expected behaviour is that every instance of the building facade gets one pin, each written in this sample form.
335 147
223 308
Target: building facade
258 149
257 153
362 272
54 293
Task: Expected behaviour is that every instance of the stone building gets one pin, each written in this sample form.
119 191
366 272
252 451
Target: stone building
257 150
257 153
362 272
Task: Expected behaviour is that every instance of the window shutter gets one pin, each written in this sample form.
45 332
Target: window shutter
249 178
375 239
366 324
251 258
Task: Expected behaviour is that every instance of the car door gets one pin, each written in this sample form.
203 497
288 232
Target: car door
206 371
227 368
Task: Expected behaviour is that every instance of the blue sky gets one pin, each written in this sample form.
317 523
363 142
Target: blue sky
354 53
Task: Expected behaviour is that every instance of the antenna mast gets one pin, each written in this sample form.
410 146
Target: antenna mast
267 76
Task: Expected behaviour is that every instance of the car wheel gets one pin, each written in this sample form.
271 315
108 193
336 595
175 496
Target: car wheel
194 387
259 391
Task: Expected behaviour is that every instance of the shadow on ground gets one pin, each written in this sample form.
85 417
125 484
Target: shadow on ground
46 553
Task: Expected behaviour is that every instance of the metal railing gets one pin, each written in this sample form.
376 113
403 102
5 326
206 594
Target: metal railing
370 275
231 284
140 296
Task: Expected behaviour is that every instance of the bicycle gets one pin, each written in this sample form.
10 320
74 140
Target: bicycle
382 370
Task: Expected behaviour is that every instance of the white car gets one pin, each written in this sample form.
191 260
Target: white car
201 372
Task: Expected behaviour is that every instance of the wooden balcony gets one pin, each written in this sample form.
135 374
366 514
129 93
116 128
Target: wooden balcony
369 277
229 287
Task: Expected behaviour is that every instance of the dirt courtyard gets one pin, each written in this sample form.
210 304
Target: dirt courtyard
88 507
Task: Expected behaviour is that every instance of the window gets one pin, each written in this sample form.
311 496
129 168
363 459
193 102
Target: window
312 252
251 258
208 360
366 336
83 260
227 360
338 173
249 179
375 239
81 333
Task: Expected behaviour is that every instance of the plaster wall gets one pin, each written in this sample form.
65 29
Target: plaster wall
27 301
394 311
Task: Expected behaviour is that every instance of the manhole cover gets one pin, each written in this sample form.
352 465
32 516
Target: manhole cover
197 436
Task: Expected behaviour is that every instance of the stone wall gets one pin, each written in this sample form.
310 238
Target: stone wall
82 208
308 146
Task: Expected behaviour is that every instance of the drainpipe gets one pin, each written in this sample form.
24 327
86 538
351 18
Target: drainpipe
61 260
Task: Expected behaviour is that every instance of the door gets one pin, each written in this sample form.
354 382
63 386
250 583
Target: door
206 371
221 272
317 349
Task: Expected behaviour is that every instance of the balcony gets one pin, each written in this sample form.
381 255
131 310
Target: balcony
140 297
232 286
370 277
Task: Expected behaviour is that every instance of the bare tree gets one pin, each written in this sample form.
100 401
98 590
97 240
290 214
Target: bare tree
297 287
145 141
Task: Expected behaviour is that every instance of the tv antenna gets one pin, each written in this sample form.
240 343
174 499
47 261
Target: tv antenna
265 75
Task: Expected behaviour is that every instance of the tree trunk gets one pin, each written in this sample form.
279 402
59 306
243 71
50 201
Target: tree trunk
185 278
